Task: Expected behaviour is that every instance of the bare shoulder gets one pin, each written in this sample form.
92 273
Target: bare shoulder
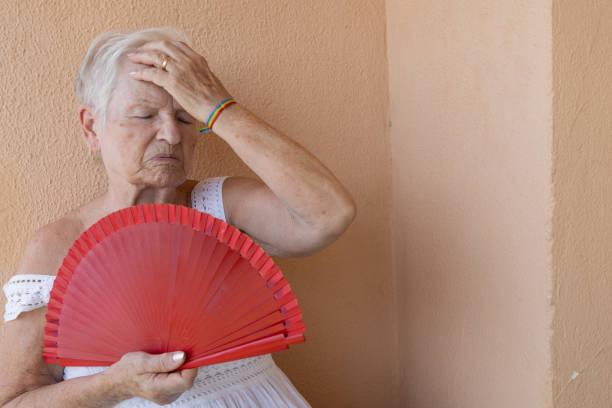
240 192
238 184
249 205
47 247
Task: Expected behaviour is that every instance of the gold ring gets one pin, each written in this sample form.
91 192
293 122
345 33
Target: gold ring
165 62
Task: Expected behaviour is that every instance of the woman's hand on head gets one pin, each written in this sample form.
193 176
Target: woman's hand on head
151 376
187 77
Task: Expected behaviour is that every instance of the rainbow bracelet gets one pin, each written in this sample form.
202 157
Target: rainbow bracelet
215 113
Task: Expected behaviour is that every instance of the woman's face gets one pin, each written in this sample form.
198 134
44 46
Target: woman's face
142 122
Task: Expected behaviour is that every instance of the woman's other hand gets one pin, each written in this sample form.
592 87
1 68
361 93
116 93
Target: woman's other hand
151 376
187 76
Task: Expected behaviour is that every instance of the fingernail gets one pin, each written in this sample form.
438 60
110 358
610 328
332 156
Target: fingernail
178 356
133 73
131 53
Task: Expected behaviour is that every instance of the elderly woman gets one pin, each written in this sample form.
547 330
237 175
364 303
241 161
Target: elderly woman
144 97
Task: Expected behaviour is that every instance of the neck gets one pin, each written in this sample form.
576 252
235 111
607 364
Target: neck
122 195
116 198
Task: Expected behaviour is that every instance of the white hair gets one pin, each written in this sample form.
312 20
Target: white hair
96 78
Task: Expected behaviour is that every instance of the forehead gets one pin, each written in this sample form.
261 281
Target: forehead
129 91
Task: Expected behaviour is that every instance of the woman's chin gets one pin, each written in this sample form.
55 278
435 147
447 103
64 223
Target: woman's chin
170 176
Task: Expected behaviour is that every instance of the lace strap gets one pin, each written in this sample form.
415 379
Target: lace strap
25 293
207 196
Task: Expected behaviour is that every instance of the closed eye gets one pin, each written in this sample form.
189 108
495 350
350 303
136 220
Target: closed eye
150 116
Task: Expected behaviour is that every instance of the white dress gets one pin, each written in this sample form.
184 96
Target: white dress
249 382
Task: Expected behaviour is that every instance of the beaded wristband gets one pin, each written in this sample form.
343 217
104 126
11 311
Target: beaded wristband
215 113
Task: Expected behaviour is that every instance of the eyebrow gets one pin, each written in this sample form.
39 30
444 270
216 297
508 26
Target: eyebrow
140 102
147 102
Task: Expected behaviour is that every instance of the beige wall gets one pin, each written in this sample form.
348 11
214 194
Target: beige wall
582 223
470 91
498 116
314 69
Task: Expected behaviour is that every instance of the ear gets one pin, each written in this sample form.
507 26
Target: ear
90 124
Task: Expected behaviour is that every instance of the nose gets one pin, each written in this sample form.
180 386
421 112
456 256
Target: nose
169 131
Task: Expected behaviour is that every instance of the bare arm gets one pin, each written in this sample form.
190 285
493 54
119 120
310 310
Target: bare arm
85 392
28 381
301 208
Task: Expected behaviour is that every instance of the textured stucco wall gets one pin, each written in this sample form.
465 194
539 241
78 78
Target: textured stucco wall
582 223
314 69
470 90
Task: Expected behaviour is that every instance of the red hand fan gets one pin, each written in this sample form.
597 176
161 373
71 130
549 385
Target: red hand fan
164 277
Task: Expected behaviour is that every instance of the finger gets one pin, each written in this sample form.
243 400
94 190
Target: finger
168 47
189 373
175 46
155 75
176 381
154 58
186 49
162 363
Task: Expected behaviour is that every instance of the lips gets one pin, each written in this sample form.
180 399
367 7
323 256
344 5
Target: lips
165 156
